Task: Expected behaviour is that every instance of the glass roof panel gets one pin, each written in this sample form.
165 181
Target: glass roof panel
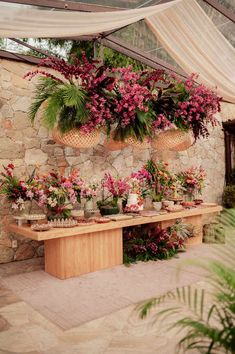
226 26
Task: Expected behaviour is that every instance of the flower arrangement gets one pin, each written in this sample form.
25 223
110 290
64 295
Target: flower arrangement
189 106
144 244
192 180
58 193
89 191
86 95
18 192
76 97
118 187
156 178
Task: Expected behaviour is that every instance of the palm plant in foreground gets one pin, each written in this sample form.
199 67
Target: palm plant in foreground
209 320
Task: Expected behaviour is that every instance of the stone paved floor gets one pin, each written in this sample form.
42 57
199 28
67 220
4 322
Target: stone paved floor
25 331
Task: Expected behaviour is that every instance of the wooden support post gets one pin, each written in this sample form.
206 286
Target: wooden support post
68 257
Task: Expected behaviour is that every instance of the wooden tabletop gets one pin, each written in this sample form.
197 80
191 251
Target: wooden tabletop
26 231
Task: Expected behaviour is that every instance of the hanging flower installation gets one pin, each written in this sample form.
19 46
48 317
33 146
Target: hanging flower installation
85 95
75 98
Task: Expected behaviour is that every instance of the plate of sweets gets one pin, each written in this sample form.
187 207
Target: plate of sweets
85 222
40 227
102 220
174 208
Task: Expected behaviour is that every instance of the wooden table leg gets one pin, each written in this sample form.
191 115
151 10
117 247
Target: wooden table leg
80 254
196 221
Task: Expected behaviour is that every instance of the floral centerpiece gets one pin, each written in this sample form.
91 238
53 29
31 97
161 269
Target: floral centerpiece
156 178
192 181
57 193
17 191
117 187
88 192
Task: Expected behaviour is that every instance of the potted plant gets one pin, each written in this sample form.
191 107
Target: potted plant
74 100
188 108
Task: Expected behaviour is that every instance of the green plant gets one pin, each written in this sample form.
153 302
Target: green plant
209 329
229 196
183 231
65 104
143 244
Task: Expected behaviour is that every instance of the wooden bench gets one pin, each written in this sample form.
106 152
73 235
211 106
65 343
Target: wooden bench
70 252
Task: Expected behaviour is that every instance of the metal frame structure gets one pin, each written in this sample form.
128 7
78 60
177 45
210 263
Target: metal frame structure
106 38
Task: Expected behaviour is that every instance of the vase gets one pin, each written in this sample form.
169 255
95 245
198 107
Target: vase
108 210
119 205
28 205
157 206
132 199
89 204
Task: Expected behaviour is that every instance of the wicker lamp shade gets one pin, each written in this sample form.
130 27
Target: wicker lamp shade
77 139
172 139
114 145
145 144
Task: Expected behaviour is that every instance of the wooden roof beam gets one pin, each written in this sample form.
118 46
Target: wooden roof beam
63 5
222 9
139 55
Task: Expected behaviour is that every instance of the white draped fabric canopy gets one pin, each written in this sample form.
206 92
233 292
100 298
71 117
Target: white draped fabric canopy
183 28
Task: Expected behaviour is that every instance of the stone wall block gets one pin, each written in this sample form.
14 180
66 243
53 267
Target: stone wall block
35 157
6 254
24 251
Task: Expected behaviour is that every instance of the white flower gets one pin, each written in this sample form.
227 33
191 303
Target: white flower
52 202
52 189
14 206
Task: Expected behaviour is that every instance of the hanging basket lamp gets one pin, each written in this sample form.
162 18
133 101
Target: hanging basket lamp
77 139
172 139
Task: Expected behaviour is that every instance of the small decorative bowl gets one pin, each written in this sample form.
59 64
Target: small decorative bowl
40 227
198 201
188 204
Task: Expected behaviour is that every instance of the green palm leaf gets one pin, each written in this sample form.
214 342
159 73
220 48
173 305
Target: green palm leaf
44 89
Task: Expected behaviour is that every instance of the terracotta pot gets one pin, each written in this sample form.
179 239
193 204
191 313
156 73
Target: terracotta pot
77 139
114 145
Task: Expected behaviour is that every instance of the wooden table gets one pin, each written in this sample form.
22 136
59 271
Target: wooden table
70 252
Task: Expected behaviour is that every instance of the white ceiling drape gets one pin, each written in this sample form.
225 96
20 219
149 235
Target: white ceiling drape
35 23
183 28
193 41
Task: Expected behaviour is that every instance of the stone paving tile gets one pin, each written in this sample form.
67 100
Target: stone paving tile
7 297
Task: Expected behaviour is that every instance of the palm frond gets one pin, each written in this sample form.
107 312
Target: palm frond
43 91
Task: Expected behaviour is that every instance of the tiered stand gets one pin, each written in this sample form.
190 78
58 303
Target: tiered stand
74 251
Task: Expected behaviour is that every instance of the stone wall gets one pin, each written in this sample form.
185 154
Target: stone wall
27 146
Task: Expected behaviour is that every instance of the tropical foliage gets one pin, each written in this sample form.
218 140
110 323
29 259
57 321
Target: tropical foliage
209 328
88 95
144 244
